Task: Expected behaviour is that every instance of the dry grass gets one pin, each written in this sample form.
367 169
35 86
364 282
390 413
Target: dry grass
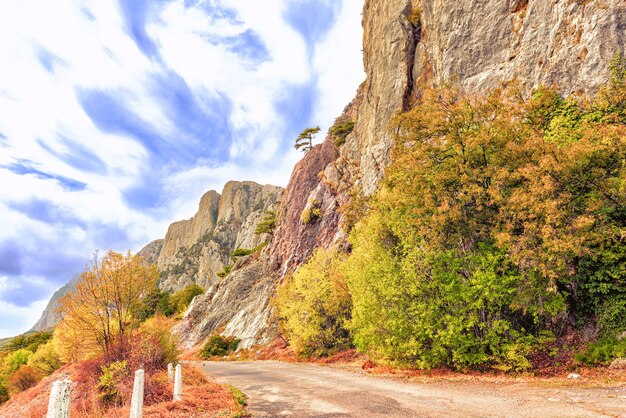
201 398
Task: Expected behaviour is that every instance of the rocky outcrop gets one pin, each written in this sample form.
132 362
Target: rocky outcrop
195 250
236 305
49 317
480 44
150 253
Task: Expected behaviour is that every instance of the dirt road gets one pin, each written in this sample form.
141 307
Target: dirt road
279 389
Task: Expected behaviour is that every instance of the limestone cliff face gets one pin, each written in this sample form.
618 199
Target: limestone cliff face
150 253
566 43
49 317
195 250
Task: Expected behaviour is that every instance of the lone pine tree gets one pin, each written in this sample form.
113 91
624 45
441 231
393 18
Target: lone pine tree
304 142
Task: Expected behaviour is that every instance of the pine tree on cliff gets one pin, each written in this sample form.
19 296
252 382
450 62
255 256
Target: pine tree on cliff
304 142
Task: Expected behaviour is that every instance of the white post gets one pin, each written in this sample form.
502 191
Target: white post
59 402
170 372
136 404
178 383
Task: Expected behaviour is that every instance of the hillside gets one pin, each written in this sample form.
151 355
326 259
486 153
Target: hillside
406 46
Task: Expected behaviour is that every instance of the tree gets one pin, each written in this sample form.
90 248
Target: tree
99 316
267 224
304 142
315 305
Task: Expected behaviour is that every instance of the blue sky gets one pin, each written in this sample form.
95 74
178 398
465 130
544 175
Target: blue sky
116 116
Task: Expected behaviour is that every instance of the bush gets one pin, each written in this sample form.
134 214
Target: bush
498 219
4 390
243 252
156 302
603 352
225 272
415 16
312 212
180 300
30 342
24 378
45 359
14 360
157 346
340 130
219 346
110 383
315 305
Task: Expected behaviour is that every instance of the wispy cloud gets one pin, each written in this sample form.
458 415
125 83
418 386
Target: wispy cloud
115 117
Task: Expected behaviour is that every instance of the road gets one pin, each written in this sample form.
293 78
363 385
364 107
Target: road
277 389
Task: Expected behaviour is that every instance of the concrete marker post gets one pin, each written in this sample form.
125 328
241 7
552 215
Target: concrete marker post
170 372
178 383
60 397
136 403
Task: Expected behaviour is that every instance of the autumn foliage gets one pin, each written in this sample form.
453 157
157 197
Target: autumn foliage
498 230
99 316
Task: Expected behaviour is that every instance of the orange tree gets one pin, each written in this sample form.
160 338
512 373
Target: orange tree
99 316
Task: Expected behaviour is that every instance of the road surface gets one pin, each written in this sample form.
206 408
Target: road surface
278 389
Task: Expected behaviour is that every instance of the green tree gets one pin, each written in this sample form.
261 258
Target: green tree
304 142
498 219
181 299
267 224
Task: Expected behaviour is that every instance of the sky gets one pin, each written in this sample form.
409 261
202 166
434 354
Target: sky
116 116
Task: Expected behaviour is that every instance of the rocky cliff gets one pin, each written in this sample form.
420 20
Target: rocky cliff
406 45
478 44
195 250
49 317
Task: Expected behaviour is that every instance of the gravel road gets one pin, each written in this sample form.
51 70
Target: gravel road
277 389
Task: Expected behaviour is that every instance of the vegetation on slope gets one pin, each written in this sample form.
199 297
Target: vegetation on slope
498 230
113 324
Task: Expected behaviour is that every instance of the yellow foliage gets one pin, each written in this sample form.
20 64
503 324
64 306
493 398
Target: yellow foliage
99 315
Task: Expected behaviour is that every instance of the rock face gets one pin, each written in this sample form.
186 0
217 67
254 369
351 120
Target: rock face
150 253
49 317
406 45
195 250
567 43
236 305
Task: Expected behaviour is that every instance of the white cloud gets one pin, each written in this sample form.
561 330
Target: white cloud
87 47
17 319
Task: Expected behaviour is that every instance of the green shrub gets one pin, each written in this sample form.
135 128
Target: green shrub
267 224
219 346
603 351
225 272
110 381
314 305
17 358
243 252
340 131
4 390
45 359
180 300
156 302
498 219
312 213
29 342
